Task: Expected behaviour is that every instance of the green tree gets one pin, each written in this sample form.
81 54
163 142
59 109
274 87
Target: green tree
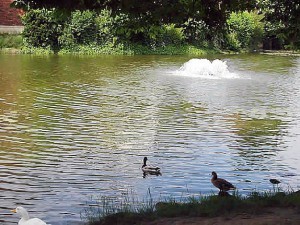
213 12
245 30
282 20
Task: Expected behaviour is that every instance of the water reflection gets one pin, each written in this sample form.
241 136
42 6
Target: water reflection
76 127
149 173
253 132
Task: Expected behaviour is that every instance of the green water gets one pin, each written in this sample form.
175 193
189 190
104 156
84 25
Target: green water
72 127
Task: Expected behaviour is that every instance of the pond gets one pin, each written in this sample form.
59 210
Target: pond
76 128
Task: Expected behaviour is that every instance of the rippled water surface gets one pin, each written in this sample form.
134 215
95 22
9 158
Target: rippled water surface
72 128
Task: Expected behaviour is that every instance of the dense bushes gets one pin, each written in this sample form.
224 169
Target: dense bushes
245 30
83 27
106 27
161 36
10 41
96 31
42 28
196 31
79 29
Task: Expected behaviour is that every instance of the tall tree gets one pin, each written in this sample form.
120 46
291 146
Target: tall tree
213 12
282 17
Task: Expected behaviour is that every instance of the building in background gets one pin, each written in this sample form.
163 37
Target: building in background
10 21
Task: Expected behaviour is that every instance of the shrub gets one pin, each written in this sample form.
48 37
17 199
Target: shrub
83 26
67 40
246 28
196 31
172 35
10 41
123 27
42 27
161 36
105 27
80 28
113 28
233 42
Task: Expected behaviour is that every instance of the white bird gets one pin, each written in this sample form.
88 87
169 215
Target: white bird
150 169
25 220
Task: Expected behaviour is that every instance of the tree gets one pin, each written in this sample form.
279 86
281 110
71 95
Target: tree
213 12
283 20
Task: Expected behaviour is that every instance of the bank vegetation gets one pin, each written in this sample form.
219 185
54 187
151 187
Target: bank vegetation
153 27
203 208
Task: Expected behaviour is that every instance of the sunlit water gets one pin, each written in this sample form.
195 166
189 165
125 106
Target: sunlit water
76 128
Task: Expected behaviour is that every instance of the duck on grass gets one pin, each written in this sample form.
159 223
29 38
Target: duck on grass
222 184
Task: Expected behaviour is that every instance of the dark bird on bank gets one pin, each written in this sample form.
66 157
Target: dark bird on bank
275 181
150 169
220 183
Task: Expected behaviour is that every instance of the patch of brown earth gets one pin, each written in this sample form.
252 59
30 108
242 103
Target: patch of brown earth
270 216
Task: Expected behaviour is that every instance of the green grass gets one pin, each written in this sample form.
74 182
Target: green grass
130 211
11 41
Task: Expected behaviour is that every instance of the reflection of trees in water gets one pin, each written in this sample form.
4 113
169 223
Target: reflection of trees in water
257 132
257 143
257 138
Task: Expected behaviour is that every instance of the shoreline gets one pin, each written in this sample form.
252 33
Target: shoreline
269 216
257 208
15 51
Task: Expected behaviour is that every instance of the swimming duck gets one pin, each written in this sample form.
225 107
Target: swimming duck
220 183
25 220
150 169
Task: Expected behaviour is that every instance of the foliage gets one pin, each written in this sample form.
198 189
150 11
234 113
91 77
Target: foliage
36 50
93 49
83 27
10 41
161 36
105 24
42 27
232 41
282 20
196 31
245 30
88 32
131 211
213 13
122 27
125 210
184 49
66 40
106 29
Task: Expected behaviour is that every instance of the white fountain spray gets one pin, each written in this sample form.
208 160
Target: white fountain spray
216 69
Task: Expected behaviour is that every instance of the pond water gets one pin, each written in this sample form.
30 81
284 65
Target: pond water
73 128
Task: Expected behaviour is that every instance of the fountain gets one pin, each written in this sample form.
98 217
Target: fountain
206 69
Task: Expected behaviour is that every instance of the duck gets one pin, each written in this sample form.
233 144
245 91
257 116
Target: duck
220 183
274 181
25 219
150 169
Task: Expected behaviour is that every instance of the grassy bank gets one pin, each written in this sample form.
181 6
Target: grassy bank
14 44
127 212
11 43
136 49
